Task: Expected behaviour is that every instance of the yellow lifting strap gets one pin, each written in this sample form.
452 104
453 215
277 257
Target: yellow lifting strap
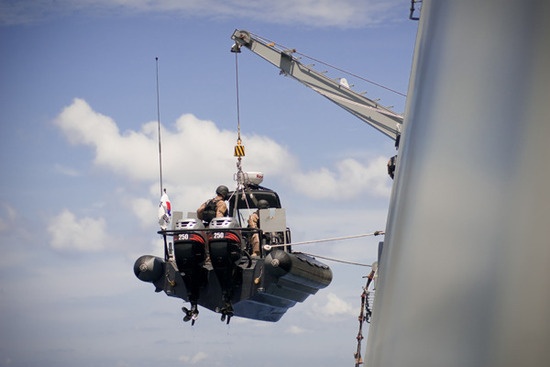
239 149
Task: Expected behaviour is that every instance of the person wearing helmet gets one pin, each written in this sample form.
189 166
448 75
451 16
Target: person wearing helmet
215 207
254 222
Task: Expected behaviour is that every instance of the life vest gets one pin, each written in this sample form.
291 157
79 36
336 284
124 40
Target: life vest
210 210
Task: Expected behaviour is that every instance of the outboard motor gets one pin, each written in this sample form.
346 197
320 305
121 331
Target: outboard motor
190 254
226 250
189 245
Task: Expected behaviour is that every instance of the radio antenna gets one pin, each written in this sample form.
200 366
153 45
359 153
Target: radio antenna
158 121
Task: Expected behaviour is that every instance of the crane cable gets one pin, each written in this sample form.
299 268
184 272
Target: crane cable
239 148
237 92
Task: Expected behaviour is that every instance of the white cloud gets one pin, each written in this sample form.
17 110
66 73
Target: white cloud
196 154
132 154
194 145
345 13
196 358
350 179
66 170
317 13
8 218
145 210
69 233
334 306
296 330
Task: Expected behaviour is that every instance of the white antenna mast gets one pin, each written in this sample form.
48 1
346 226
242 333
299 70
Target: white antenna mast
158 121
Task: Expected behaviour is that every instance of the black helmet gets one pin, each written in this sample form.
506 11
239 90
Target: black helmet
263 204
223 191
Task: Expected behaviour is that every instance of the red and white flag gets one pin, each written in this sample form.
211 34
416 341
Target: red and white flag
165 211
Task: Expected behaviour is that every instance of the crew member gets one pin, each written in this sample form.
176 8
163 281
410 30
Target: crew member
215 207
254 222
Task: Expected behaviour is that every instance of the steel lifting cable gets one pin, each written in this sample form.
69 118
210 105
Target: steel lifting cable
239 148
237 91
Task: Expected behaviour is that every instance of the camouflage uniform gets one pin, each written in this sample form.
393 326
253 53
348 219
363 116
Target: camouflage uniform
253 222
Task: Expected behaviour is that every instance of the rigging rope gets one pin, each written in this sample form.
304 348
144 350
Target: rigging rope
354 75
337 260
361 318
364 315
375 233
281 47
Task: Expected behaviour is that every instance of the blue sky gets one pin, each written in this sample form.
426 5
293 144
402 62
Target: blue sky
79 188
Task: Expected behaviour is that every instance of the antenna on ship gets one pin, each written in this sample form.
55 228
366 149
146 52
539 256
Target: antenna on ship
158 122
165 207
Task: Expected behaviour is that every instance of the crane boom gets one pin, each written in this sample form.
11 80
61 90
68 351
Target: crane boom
381 118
